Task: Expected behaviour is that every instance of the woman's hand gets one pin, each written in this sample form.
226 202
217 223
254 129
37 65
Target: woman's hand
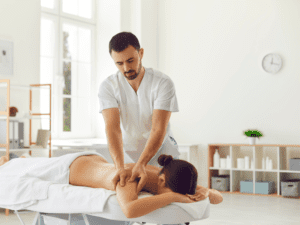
122 175
201 194
182 198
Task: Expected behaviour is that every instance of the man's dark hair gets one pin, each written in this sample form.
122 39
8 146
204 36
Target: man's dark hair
122 40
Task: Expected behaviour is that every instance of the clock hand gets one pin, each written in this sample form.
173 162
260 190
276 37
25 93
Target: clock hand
272 61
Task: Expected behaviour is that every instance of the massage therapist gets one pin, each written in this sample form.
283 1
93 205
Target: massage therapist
136 104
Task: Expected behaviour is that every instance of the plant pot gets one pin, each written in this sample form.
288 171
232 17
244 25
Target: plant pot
252 140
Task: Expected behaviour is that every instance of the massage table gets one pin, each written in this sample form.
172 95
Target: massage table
101 206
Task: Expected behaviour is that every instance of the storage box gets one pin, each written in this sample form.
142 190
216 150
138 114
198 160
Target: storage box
264 187
246 186
220 183
261 187
290 188
295 164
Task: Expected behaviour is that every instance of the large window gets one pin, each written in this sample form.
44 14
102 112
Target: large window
67 62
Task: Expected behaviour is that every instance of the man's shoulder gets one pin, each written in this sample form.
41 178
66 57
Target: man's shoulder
159 76
111 79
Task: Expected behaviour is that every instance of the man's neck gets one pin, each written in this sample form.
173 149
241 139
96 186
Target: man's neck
136 82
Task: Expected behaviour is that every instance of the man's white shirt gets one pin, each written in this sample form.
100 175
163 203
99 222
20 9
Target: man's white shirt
156 91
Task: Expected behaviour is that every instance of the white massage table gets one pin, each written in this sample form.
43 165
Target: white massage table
65 201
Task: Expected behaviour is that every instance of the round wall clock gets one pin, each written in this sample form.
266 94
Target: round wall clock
272 63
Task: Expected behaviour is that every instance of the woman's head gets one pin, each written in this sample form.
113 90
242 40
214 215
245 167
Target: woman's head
180 176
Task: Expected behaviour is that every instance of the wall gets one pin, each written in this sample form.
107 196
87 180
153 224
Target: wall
20 23
108 24
213 52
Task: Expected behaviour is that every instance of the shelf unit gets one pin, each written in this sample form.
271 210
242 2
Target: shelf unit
278 154
5 83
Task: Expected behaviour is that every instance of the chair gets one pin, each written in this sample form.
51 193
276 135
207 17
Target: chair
42 139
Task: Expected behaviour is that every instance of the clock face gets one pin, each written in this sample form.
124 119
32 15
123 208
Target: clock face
272 63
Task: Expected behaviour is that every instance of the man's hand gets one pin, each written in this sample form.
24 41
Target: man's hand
139 171
201 194
123 176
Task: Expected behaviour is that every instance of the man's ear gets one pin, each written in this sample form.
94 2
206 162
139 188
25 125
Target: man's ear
141 53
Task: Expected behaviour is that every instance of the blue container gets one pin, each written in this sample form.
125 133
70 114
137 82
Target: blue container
261 187
264 187
246 186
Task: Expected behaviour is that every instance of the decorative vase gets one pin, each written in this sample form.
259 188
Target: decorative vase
252 140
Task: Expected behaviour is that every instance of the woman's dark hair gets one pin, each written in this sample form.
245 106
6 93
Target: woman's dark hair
122 40
181 176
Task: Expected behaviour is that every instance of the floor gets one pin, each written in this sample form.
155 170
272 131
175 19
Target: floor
235 209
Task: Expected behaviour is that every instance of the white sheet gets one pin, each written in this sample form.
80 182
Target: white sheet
25 181
64 198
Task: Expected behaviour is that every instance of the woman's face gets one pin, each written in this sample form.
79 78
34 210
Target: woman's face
160 172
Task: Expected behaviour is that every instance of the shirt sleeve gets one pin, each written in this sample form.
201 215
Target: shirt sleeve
166 96
106 97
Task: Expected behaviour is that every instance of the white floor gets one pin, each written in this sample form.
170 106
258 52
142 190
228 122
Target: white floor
235 209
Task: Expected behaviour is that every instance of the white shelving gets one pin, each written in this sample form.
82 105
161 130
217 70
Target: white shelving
4 115
280 155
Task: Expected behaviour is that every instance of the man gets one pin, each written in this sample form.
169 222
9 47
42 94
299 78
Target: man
142 99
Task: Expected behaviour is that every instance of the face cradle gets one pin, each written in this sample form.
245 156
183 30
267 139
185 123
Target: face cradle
129 61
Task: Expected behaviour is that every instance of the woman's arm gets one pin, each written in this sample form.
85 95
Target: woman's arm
215 196
133 207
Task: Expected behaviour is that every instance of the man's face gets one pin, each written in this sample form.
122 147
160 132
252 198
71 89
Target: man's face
129 61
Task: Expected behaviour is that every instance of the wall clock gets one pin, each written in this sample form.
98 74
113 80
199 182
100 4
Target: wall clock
272 63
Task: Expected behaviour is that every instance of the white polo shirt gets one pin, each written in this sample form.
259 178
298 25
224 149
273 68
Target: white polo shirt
156 91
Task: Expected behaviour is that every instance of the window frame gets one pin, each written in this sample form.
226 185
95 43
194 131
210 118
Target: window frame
59 18
74 134
78 18
54 88
52 11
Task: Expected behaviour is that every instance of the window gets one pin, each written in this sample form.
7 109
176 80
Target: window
67 62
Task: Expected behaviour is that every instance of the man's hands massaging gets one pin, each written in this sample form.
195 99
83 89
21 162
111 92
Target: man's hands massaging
127 175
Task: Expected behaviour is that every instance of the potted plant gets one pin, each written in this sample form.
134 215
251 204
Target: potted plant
252 135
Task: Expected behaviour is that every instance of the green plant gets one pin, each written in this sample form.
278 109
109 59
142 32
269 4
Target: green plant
253 133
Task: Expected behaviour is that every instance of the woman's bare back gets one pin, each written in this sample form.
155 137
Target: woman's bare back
94 171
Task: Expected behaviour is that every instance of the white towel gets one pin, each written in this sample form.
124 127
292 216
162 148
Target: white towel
25 181
65 198
195 209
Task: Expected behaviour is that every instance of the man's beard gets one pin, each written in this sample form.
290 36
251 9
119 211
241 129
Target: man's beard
132 77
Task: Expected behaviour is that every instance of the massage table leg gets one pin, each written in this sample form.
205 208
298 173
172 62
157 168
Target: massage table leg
37 218
85 219
16 212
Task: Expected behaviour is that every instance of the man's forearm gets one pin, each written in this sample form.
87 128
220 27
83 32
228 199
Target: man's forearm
153 144
115 145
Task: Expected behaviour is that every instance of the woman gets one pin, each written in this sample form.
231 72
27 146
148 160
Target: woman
175 182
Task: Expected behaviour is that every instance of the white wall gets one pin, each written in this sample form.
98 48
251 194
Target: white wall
108 24
213 52
20 23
